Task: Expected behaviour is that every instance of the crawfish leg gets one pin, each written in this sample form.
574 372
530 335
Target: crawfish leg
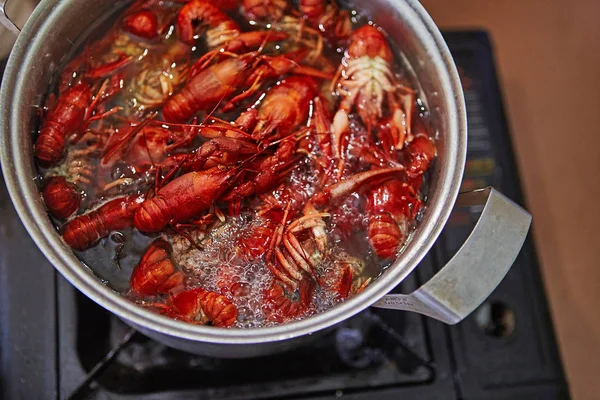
274 243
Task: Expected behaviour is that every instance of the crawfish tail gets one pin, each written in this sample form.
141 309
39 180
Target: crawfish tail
156 272
385 235
218 309
50 144
182 106
198 303
421 152
85 231
154 214
183 199
61 197
390 207
64 120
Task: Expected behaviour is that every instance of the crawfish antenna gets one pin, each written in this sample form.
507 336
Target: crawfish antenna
264 42
122 144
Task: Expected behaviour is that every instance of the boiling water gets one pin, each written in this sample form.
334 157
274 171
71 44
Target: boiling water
215 260
221 258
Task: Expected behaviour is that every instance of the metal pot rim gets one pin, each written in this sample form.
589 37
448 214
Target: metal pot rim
32 213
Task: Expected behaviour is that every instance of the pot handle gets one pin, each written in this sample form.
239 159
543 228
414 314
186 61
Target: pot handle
478 266
6 21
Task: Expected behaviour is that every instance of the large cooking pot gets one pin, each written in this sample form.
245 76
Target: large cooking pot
449 296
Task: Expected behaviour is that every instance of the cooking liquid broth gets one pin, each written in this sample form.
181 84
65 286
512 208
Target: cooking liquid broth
115 257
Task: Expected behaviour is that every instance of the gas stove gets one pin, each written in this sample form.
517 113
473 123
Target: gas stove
56 343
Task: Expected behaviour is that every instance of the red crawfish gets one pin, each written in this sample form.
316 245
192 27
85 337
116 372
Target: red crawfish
161 76
147 144
85 231
142 23
149 19
264 10
141 146
271 169
227 145
156 272
68 118
284 108
254 242
65 119
221 151
221 31
391 208
153 146
335 147
323 15
208 88
420 152
326 16
184 198
203 307
283 304
61 197
332 194
274 14
365 81
289 259
268 67
118 47
111 54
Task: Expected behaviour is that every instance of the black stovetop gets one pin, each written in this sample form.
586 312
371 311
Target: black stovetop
55 343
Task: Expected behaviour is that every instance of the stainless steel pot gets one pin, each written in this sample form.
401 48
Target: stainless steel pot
449 296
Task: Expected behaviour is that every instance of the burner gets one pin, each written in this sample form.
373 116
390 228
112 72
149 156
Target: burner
364 352
55 341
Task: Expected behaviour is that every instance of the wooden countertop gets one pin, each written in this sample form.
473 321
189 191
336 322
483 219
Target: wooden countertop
548 59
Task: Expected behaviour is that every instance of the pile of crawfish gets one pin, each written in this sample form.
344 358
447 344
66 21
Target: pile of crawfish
187 114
